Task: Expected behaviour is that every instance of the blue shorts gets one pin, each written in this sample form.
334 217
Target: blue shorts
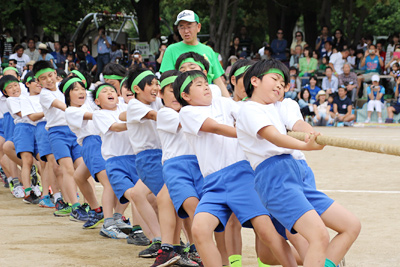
1 129
91 154
231 190
280 183
63 143
8 126
396 108
150 170
24 139
308 175
122 175
42 140
183 179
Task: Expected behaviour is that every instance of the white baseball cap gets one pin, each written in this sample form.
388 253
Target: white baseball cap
187 15
375 78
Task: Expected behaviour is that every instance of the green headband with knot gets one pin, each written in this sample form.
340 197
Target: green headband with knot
241 70
140 77
168 80
80 75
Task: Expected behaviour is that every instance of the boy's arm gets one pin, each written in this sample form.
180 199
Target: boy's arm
118 127
222 87
88 116
36 116
271 134
59 104
122 116
211 126
151 115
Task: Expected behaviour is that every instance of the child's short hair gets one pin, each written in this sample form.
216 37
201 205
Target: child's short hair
114 69
328 68
193 55
29 77
239 69
259 69
6 80
134 73
41 65
294 68
396 64
164 78
100 86
67 85
13 60
179 82
314 77
61 73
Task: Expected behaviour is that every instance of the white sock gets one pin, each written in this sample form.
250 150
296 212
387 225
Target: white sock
56 196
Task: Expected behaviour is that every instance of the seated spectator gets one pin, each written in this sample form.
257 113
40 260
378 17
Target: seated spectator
392 40
395 107
138 60
299 40
20 57
45 55
382 54
322 39
324 64
328 49
337 60
90 61
395 59
322 110
279 46
394 72
372 61
267 53
294 82
306 103
231 60
294 59
343 107
351 59
339 42
375 94
312 87
307 65
234 50
330 83
246 43
349 79
330 103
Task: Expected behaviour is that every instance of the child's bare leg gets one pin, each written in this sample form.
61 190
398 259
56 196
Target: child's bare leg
233 236
108 197
9 150
27 161
221 245
81 177
189 205
166 215
203 227
68 185
339 219
138 220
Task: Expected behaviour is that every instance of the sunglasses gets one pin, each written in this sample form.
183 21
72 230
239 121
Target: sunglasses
298 35
280 32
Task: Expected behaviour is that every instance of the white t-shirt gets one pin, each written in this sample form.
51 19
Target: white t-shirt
3 105
215 90
142 132
30 105
21 61
81 128
337 60
172 138
90 101
14 106
214 152
54 116
114 143
252 118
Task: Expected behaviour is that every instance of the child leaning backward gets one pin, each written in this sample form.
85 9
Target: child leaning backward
262 135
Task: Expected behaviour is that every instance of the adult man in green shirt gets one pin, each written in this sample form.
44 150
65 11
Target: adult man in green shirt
188 26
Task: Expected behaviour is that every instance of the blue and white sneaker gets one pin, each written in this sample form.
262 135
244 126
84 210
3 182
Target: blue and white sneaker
112 231
79 214
45 202
95 218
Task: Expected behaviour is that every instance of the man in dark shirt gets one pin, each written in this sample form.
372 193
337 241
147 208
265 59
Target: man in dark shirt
343 107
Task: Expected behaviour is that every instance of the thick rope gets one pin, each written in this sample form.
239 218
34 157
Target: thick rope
351 144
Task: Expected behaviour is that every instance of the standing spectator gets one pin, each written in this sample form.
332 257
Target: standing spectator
90 61
57 54
20 57
103 49
125 56
279 46
373 62
235 48
63 54
307 65
32 52
29 67
115 53
328 49
306 103
71 47
174 37
395 107
349 80
330 82
337 60
45 55
137 60
294 59
343 107
246 43
160 55
312 87
339 43
375 94
392 40
154 46
324 64
322 39
299 40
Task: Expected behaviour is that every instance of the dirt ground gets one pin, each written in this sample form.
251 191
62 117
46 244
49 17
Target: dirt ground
368 184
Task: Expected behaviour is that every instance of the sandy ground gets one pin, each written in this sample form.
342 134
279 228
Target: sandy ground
368 184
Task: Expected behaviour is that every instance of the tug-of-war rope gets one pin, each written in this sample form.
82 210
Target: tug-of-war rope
351 144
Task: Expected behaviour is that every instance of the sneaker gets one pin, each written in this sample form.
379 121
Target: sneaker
194 256
95 218
389 120
125 228
63 209
34 175
367 120
31 199
126 220
184 261
113 232
348 124
79 214
86 207
13 183
151 251
380 120
342 263
6 184
18 191
138 238
166 258
36 190
60 204
3 176
45 202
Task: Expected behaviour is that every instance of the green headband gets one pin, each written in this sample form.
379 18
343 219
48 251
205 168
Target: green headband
277 71
80 75
68 84
192 61
42 71
123 80
113 77
10 68
7 83
140 77
241 70
100 88
29 79
188 80
168 80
